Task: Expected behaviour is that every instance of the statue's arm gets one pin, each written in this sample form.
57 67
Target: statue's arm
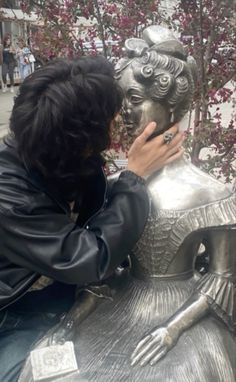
220 244
218 285
221 247
88 299
161 339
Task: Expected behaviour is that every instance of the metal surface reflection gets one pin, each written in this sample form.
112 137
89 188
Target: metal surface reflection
160 315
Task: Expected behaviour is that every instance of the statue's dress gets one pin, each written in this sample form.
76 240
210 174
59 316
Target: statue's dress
185 205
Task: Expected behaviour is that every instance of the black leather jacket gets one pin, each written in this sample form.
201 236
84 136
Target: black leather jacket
38 236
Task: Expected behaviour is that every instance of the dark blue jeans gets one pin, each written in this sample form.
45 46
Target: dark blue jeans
25 321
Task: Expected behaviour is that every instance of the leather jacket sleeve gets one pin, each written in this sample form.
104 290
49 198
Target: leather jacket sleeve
49 243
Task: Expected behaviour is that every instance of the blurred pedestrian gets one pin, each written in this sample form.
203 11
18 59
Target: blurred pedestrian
1 59
9 63
23 54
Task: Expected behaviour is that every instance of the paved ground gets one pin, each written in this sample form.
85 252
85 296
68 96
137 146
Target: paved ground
6 103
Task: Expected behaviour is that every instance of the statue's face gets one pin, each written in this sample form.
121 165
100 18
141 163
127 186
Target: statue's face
138 108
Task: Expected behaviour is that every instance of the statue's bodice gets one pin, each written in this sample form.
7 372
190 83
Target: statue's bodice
105 340
185 204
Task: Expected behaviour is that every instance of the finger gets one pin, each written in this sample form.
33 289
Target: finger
142 138
174 149
178 138
174 129
137 354
177 155
158 357
152 354
146 348
141 353
140 345
167 151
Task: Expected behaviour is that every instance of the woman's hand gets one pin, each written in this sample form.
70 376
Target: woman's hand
154 346
146 157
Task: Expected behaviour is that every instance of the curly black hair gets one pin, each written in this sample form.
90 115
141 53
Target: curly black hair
61 118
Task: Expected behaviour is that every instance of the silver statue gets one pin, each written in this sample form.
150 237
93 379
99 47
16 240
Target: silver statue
159 320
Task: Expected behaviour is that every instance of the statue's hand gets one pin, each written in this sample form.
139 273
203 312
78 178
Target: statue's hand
154 346
62 332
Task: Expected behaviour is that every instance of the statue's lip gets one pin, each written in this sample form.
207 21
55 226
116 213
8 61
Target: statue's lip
129 125
130 129
130 132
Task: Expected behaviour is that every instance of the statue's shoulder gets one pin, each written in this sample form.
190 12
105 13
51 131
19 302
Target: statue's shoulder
182 185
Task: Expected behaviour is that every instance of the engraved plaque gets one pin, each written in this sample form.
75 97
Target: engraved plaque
53 361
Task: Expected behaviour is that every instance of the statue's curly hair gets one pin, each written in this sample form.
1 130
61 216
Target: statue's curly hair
62 115
169 78
167 73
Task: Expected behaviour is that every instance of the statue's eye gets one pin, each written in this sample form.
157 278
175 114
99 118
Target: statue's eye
135 99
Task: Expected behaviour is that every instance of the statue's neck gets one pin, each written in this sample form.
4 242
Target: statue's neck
181 164
181 185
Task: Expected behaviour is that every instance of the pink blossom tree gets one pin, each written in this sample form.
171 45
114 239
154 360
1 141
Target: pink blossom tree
61 26
208 29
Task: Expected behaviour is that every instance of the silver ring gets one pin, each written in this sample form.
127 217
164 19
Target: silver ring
167 137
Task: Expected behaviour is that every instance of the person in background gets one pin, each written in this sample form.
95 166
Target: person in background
23 54
1 59
32 61
9 63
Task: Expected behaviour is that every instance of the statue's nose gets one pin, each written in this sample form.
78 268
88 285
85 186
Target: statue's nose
126 108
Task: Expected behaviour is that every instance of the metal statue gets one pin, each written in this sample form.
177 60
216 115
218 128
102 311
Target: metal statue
159 320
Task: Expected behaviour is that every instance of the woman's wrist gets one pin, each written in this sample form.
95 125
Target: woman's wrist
134 175
136 171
